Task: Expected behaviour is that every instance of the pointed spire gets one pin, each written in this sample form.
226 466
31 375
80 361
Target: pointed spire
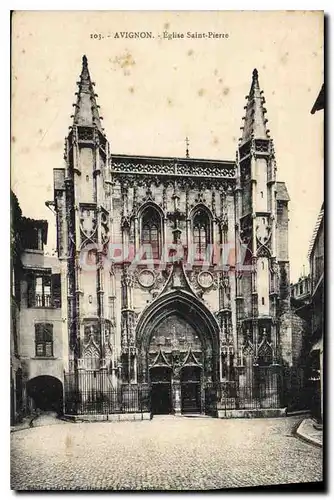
254 120
86 109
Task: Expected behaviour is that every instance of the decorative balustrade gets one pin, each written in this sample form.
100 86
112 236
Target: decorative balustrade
174 167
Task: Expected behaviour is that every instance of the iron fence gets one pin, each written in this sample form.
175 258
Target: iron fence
252 388
91 393
259 387
296 390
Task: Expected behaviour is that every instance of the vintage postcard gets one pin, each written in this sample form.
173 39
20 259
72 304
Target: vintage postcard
167 249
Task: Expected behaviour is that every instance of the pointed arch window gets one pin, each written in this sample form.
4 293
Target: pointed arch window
201 233
151 232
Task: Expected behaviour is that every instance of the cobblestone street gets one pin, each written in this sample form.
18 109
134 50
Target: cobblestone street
167 453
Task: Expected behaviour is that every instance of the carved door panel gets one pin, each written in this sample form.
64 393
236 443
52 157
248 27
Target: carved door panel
191 390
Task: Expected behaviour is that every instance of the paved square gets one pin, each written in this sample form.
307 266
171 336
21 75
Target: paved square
166 453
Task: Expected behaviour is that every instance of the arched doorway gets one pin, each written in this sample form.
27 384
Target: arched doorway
161 390
179 333
190 379
46 392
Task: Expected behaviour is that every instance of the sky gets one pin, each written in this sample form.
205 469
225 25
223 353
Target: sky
155 92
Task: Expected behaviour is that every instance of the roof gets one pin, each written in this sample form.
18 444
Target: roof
254 119
316 230
29 224
282 192
86 108
320 101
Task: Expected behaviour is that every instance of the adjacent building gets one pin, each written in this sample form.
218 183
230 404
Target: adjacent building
307 298
317 300
36 340
16 388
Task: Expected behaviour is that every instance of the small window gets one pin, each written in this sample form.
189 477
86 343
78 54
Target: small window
262 265
261 194
39 290
263 301
44 340
44 290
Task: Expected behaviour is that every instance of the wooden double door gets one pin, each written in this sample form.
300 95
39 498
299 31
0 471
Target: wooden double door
191 389
162 395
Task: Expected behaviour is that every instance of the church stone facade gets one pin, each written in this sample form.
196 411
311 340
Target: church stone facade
174 271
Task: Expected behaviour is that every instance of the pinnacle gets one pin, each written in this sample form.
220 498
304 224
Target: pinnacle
86 108
254 125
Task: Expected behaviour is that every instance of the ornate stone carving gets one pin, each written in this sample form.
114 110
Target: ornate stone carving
88 222
274 266
245 150
128 327
263 250
108 345
146 278
91 351
148 168
125 222
263 233
149 194
262 145
265 350
223 221
202 281
127 278
104 226
205 279
213 202
168 167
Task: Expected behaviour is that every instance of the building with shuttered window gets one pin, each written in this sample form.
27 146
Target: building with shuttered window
37 357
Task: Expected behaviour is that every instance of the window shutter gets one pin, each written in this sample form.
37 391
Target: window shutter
39 332
56 290
48 349
48 332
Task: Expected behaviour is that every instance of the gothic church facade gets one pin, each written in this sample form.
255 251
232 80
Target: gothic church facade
174 271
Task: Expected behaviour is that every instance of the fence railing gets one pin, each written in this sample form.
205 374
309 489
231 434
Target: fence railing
296 389
260 387
253 387
91 393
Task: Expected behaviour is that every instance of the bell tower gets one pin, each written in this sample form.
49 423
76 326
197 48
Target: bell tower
256 230
84 223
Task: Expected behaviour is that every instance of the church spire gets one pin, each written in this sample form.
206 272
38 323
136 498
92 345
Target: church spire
86 109
254 119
